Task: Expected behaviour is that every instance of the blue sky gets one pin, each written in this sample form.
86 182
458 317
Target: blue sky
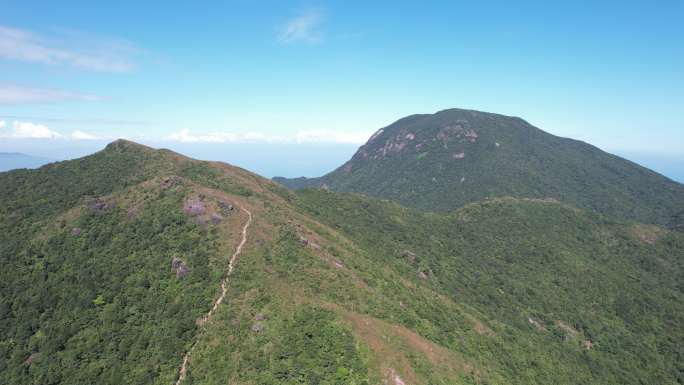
294 87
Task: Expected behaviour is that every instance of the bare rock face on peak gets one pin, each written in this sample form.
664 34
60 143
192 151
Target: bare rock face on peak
441 161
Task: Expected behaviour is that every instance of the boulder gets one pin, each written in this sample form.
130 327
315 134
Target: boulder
258 327
225 206
167 183
178 266
410 256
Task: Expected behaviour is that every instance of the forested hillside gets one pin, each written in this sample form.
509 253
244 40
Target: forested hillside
112 262
441 161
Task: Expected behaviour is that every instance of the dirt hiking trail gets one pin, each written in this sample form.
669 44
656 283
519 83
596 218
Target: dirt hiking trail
207 317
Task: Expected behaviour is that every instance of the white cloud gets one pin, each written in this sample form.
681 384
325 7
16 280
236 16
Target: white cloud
28 130
80 135
304 136
185 136
12 94
73 49
329 136
304 28
2 124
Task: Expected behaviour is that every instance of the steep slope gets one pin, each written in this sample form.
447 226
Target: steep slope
114 267
112 262
442 161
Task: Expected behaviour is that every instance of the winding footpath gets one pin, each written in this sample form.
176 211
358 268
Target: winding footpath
207 317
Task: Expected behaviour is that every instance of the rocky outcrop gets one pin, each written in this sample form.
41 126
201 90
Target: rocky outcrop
410 256
98 205
258 327
179 267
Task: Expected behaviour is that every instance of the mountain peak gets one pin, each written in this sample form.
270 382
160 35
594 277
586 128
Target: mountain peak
125 145
441 161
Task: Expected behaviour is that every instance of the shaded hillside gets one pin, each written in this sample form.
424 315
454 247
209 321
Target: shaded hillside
110 263
442 161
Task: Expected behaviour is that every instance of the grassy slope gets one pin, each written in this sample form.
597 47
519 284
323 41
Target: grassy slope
413 162
348 308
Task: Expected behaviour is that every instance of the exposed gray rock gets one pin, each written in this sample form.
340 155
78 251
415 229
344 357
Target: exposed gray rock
179 267
97 204
410 256
76 231
225 206
167 183
258 327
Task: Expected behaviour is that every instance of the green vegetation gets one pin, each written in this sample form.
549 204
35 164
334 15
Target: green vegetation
104 305
442 161
582 279
331 288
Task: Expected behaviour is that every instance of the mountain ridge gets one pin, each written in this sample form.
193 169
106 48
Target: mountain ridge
111 262
438 162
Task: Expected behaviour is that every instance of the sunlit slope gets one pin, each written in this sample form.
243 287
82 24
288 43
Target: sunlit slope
441 161
111 262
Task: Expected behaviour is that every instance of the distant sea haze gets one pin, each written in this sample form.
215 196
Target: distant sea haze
672 166
13 160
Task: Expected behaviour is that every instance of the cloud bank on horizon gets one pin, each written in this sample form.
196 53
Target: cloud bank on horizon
28 130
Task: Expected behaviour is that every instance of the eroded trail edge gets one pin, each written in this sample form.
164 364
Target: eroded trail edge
224 288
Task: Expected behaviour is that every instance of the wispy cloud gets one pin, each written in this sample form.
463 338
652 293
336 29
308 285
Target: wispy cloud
89 121
186 136
12 94
304 28
330 136
301 137
74 49
80 135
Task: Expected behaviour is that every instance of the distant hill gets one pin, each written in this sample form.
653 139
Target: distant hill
441 161
111 263
14 160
